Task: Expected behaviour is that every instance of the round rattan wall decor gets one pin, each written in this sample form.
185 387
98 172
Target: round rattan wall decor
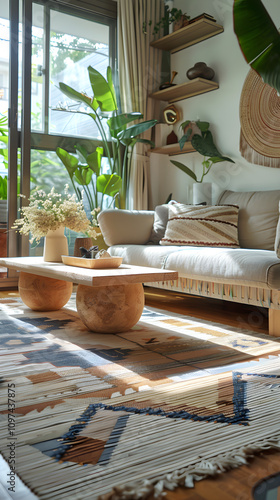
260 116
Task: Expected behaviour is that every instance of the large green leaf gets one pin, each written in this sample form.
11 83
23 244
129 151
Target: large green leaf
119 121
185 169
83 175
136 130
73 94
68 160
111 84
102 91
205 145
259 39
94 160
109 184
184 138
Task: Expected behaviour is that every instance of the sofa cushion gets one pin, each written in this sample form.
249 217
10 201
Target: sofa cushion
214 226
251 267
125 226
160 222
258 217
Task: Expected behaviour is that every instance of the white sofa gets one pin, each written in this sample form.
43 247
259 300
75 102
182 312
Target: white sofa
249 274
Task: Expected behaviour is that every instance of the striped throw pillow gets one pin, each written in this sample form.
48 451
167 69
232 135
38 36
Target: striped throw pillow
214 226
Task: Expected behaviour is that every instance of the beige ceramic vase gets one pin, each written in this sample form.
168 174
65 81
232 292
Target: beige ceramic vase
55 245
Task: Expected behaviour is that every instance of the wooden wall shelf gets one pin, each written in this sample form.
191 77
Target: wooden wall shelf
189 35
173 149
185 90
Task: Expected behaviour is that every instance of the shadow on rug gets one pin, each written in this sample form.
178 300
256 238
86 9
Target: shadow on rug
172 400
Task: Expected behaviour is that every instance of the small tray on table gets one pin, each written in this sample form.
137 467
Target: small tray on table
105 263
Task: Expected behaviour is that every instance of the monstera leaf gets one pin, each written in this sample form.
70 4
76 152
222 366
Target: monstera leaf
259 39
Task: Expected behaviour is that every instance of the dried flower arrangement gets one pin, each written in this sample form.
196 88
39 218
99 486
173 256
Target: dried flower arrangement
48 212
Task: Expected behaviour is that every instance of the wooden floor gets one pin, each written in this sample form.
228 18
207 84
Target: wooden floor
236 484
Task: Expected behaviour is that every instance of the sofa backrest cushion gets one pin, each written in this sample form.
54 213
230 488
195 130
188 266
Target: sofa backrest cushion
128 227
194 225
258 217
160 222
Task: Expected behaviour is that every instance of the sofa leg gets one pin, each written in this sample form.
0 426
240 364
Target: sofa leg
274 322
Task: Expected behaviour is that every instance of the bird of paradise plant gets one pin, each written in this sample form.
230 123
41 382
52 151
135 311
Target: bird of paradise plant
118 142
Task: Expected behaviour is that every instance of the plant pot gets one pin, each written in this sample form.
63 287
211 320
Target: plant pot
202 193
82 242
180 23
55 245
89 242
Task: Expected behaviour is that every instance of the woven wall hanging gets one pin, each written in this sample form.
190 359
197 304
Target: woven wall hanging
260 122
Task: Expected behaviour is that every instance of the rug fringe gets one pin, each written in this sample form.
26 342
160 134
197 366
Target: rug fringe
140 490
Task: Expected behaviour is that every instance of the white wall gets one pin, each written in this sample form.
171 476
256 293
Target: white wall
219 107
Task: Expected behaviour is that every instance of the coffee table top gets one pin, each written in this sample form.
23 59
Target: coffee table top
92 277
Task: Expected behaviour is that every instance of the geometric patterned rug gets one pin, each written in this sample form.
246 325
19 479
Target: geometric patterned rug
101 416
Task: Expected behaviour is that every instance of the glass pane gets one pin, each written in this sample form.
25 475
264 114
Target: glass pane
4 101
80 44
37 70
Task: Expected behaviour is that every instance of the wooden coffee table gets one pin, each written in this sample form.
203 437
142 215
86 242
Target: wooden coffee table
108 300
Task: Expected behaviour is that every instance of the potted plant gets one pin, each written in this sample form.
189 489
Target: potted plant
171 16
118 140
203 143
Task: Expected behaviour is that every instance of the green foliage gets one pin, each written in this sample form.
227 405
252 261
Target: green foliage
86 177
118 139
3 187
259 39
3 155
170 16
203 144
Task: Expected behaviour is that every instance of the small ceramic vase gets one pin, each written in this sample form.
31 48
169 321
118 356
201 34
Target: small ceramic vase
55 245
201 70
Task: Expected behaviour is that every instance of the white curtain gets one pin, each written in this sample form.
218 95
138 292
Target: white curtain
139 75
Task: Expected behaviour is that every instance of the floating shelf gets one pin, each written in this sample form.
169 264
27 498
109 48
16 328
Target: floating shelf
185 90
188 35
173 149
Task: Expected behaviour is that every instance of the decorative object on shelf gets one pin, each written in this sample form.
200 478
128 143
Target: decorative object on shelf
118 139
203 143
171 114
172 16
259 112
55 245
172 138
166 85
51 212
200 70
202 16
